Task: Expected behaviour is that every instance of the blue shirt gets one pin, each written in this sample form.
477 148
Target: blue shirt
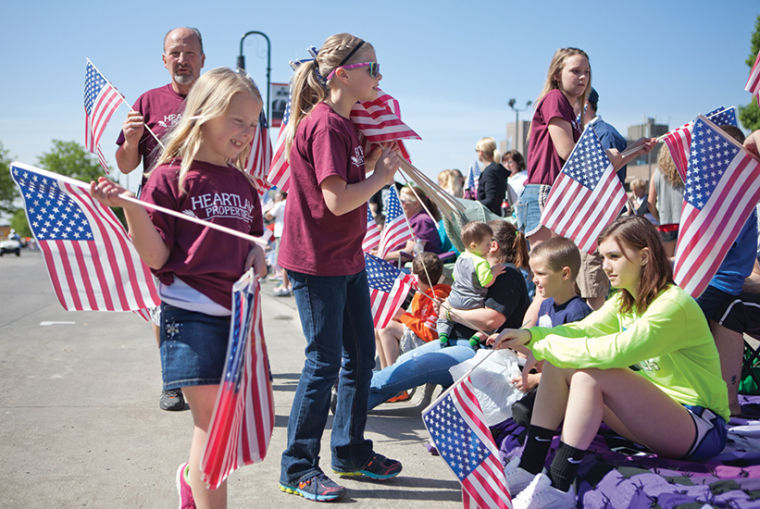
551 314
609 137
739 260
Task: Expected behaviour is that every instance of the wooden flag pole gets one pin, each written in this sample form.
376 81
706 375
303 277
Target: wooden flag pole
192 219
174 213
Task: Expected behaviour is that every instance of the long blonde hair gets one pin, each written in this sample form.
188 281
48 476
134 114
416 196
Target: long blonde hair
209 98
557 64
668 168
308 85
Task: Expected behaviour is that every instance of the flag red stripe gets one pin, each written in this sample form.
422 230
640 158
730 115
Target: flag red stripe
753 82
96 258
76 249
103 111
581 214
52 272
253 361
706 236
468 396
494 498
139 276
106 245
67 272
243 419
694 239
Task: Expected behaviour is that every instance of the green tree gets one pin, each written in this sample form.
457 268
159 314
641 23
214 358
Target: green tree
749 115
7 188
20 224
71 159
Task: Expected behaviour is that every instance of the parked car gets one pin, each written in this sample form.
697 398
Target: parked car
10 246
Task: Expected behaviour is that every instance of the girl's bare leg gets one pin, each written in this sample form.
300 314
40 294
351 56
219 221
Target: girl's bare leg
389 338
631 405
552 397
201 399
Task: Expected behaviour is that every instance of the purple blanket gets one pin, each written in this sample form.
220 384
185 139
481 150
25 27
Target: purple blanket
618 474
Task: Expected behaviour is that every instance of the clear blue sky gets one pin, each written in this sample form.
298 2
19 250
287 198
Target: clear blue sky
452 65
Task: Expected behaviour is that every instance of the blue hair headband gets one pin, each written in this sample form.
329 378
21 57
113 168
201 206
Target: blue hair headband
313 51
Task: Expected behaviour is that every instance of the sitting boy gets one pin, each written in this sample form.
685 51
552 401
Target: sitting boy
472 277
411 329
555 264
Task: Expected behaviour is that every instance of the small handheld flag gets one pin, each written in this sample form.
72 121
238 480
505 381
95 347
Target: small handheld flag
721 191
587 195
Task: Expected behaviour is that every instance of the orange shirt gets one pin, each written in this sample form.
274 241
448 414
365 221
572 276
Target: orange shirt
422 317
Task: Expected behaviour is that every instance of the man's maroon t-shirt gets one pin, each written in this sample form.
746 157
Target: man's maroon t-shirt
206 259
544 164
314 240
162 109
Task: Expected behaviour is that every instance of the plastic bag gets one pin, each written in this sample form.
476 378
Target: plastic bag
493 382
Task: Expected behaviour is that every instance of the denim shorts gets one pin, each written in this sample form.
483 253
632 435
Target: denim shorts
193 347
711 433
529 207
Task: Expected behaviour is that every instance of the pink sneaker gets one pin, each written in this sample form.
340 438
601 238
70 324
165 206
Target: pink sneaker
183 488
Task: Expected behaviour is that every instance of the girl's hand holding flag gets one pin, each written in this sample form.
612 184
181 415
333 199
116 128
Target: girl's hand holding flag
151 248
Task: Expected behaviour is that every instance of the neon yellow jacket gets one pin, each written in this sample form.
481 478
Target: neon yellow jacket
670 343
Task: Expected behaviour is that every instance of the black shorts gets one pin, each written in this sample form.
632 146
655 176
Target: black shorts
741 313
713 302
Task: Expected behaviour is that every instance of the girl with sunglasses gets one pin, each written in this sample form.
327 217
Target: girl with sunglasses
321 250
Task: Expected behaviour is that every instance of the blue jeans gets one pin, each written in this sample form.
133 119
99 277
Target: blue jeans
337 321
428 363
529 207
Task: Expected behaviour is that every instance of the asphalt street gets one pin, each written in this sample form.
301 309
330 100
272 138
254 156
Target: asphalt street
81 426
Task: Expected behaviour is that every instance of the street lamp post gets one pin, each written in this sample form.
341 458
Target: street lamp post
517 111
241 62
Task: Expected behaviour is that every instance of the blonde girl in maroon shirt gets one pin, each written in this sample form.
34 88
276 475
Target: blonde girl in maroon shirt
199 173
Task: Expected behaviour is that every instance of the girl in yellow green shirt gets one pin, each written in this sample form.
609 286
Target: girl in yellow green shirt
645 364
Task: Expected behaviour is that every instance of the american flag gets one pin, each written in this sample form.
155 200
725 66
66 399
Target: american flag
372 237
388 287
101 100
279 168
380 120
260 157
91 262
678 140
455 422
753 82
722 188
472 177
243 417
587 195
397 229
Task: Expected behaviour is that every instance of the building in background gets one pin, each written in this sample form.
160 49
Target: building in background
644 165
641 167
517 137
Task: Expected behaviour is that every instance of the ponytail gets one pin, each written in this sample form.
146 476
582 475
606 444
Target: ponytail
309 86
308 91
520 250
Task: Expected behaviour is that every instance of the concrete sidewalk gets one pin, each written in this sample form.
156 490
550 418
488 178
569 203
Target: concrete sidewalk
81 425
